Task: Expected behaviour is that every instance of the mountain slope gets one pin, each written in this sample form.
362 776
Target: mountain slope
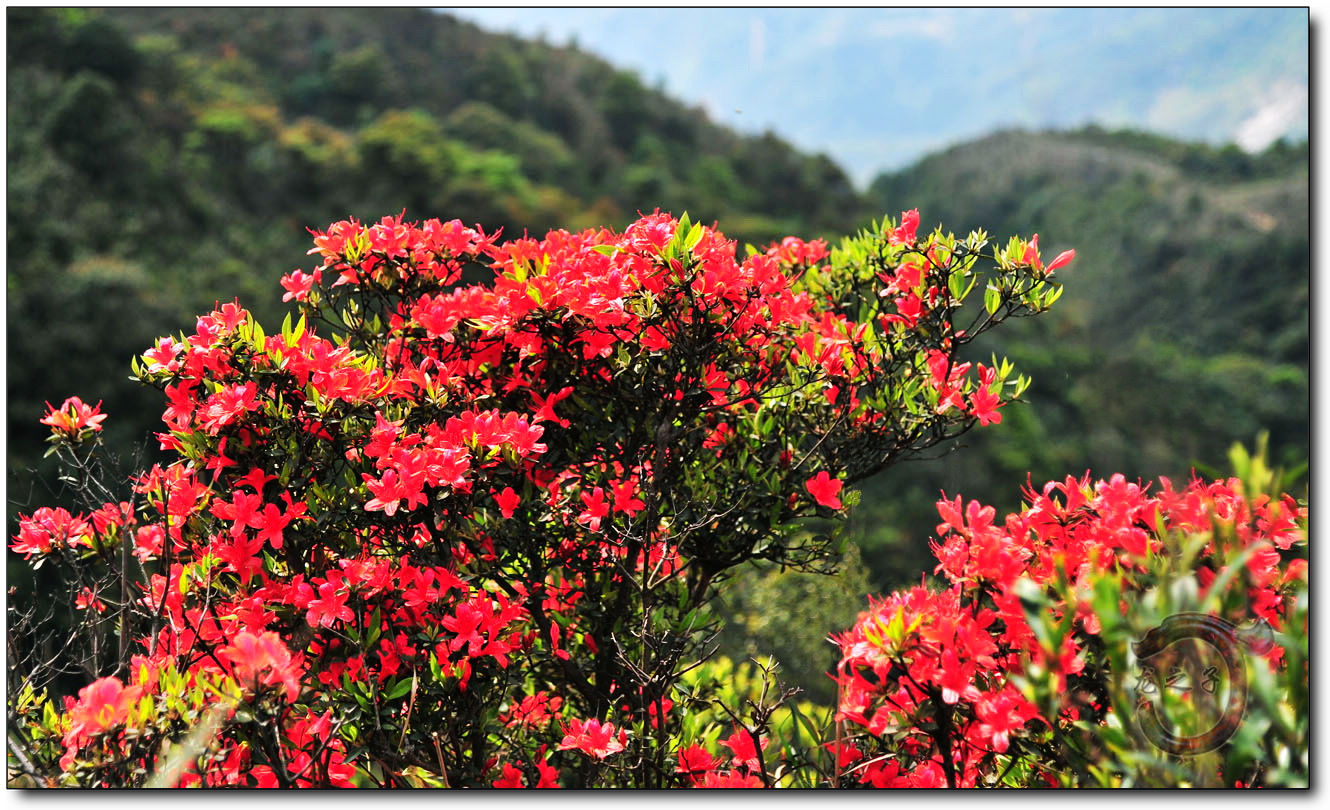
1184 326
879 88
630 143
162 160
1167 245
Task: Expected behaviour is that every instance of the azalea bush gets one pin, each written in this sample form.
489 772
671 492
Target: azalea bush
1032 665
459 520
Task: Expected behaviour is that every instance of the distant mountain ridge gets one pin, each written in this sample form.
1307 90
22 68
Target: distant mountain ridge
880 88
1137 207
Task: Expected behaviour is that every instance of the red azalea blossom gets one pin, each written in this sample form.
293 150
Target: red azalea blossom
511 778
596 508
825 489
508 501
741 746
695 761
73 417
262 659
48 528
101 704
298 284
905 233
731 779
593 738
958 651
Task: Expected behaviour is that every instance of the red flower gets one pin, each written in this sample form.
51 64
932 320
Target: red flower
511 778
984 403
298 284
329 607
224 406
1002 713
905 233
731 779
1064 258
533 710
508 501
241 554
545 406
741 744
162 357
73 417
242 510
625 496
466 625
87 598
49 527
262 660
910 308
955 677
391 489
102 704
695 761
549 775
1031 257
272 521
825 489
593 738
596 509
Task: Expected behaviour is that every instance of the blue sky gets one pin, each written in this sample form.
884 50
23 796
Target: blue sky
878 88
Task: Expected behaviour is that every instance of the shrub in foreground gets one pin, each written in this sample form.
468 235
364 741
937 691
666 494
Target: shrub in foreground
454 534
1097 638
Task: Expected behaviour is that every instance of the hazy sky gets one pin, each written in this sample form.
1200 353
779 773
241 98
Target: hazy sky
877 88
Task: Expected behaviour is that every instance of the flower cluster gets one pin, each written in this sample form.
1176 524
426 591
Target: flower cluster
959 686
743 768
74 420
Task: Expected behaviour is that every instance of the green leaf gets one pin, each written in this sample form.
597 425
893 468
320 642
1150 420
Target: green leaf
375 628
956 284
398 690
694 236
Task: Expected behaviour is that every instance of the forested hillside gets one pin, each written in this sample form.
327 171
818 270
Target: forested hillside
162 160
917 79
1184 328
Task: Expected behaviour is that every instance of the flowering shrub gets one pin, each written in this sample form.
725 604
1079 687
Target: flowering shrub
1024 671
446 533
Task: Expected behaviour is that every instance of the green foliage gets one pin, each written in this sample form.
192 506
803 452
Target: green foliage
787 615
1202 160
796 728
543 156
